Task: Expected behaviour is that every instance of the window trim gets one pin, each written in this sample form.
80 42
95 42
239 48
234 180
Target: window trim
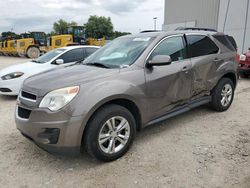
200 34
65 53
163 39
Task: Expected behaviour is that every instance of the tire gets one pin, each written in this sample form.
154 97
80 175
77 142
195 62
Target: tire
244 75
101 133
33 52
223 95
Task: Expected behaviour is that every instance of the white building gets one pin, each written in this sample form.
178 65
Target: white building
229 16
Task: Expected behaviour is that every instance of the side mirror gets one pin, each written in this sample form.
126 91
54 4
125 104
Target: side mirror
59 62
160 60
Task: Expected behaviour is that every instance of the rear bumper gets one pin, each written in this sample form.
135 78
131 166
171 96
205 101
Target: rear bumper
56 133
244 71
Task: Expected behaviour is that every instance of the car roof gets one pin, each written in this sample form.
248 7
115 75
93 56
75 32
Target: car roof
78 46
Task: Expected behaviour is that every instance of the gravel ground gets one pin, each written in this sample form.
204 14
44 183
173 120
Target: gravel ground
201 148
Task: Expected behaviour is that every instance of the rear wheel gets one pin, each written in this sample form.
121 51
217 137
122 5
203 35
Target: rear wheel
33 52
110 133
223 95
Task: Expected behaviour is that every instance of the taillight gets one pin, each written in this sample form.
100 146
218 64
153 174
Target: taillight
237 58
242 57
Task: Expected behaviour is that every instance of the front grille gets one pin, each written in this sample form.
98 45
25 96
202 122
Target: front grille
5 90
23 113
28 95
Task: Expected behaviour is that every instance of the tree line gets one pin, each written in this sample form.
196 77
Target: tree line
96 27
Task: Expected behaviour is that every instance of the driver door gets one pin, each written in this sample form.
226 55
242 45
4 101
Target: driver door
169 86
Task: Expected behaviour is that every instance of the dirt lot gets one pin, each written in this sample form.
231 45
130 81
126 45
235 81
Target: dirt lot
201 148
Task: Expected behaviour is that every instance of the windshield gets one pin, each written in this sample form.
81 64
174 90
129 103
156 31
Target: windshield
120 52
48 56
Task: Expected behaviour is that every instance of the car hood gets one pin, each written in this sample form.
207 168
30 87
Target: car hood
64 77
26 68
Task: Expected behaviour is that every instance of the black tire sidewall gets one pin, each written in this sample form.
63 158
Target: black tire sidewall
94 128
216 96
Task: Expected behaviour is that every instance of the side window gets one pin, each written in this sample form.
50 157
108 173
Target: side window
201 45
89 51
174 47
227 41
72 55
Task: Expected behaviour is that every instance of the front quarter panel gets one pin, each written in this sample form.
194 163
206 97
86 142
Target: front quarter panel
128 85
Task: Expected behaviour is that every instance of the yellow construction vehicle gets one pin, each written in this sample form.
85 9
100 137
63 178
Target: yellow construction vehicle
8 47
96 42
31 44
11 47
7 44
74 35
1 46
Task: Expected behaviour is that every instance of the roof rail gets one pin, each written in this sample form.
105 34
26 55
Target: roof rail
195 28
148 31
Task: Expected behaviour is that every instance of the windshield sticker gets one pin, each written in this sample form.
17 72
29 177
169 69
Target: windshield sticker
58 51
142 39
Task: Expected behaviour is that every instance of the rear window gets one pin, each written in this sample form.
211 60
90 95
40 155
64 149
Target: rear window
200 45
227 41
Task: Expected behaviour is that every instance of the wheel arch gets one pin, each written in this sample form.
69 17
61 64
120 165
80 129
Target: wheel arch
124 102
232 76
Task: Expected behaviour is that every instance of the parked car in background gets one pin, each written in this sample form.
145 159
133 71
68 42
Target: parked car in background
133 82
11 78
244 65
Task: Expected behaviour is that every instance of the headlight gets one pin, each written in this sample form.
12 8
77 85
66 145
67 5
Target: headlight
12 75
59 98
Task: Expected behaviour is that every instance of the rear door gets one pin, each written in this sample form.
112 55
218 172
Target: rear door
169 86
204 54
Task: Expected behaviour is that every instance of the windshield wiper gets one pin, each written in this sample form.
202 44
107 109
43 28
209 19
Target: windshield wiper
35 61
79 62
97 64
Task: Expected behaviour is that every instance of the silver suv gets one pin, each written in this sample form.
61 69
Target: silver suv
133 82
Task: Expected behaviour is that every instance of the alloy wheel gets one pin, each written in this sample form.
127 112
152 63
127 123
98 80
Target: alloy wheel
226 95
114 135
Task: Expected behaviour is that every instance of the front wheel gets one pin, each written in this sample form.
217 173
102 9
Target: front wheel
223 95
110 133
33 52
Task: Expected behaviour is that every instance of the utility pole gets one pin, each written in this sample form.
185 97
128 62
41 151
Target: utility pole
155 19
245 31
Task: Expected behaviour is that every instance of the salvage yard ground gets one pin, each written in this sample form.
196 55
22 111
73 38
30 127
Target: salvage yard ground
201 148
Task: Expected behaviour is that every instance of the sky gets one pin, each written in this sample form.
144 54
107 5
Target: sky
39 15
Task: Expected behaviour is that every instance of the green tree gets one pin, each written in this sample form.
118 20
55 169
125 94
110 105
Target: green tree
8 34
118 34
98 27
61 25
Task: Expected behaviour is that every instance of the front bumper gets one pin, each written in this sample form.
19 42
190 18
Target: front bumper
56 132
10 87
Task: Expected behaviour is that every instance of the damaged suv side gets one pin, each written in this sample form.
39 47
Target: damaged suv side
132 82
